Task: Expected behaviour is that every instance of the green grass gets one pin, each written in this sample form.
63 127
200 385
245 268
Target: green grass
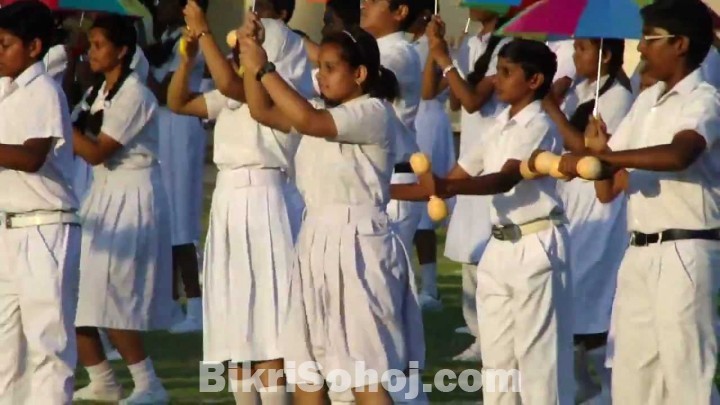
176 357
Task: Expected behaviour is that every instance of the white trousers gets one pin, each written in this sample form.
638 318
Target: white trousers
38 296
665 312
525 305
469 301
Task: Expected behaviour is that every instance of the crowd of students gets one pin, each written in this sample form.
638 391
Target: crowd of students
587 287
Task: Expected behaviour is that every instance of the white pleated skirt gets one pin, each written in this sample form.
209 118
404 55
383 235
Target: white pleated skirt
125 263
182 159
248 256
435 139
351 298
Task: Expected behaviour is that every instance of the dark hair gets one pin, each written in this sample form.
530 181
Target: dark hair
482 64
616 47
29 20
120 31
534 58
284 5
359 48
688 18
348 11
413 11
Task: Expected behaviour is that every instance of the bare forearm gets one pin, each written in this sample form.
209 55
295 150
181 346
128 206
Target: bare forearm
225 78
178 91
573 139
21 158
489 184
408 192
262 108
292 105
660 158
465 93
86 148
430 80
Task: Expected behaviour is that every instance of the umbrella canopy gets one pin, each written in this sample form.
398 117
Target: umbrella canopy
122 7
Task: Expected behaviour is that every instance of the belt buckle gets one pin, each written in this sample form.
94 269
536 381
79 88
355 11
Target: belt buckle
507 232
7 220
637 240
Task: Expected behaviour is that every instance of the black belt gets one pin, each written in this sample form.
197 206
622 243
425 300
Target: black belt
645 239
403 167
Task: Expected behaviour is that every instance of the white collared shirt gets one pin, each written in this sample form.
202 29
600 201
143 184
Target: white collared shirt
56 61
689 199
399 56
355 168
131 119
613 105
36 108
140 64
517 138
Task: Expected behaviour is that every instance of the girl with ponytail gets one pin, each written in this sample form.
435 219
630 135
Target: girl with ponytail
125 273
598 231
351 293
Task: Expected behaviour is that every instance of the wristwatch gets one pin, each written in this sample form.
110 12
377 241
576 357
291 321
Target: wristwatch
269 67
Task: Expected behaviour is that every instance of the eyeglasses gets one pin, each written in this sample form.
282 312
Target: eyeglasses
656 37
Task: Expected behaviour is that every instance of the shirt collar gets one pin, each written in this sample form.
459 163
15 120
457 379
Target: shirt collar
32 72
587 89
391 39
523 117
682 88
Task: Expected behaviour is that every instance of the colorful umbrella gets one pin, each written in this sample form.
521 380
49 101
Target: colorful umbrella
122 7
580 19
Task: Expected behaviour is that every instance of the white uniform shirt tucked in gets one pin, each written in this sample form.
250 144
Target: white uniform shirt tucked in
398 55
355 167
128 119
241 142
34 107
516 138
689 199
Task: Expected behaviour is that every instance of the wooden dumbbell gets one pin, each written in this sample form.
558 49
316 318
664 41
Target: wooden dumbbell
437 209
231 39
589 167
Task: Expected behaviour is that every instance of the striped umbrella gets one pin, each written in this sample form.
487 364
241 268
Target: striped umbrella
122 7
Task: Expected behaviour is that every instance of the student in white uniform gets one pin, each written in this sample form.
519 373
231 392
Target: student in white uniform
664 156
125 268
249 248
435 139
598 231
523 296
39 233
387 21
566 73
351 289
182 159
469 227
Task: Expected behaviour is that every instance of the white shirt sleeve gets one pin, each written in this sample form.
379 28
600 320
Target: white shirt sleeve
614 106
128 113
50 105
473 162
565 64
361 122
214 102
702 115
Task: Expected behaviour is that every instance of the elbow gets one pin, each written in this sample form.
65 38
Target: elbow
606 198
471 107
35 165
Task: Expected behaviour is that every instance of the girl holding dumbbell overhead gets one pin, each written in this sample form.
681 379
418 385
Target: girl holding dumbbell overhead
182 159
350 291
125 268
598 231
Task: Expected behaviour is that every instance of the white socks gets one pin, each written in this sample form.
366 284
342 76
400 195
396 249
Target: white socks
274 395
143 375
194 308
429 279
102 375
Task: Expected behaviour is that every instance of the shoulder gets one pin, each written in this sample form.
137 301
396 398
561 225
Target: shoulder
704 100
43 90
134 91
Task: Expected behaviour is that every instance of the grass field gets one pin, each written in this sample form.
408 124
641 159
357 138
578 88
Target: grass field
177 357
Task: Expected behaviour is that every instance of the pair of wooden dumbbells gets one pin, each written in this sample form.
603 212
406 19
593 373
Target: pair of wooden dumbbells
437 209
231 40
547 164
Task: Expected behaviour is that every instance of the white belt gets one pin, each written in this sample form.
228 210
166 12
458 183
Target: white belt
515 232
39 218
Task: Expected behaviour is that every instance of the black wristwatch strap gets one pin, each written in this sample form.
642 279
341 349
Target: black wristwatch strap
269 67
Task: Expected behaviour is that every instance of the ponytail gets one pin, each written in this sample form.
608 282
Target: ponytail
386 87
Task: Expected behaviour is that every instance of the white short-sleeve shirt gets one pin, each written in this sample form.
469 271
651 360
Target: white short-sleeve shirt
399 56
130 118
56 61
241 142
613 105
689 199
140 64
517 138
355 168
34 106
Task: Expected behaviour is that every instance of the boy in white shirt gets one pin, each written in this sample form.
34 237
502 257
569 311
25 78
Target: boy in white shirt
39 232
664 157
524 299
